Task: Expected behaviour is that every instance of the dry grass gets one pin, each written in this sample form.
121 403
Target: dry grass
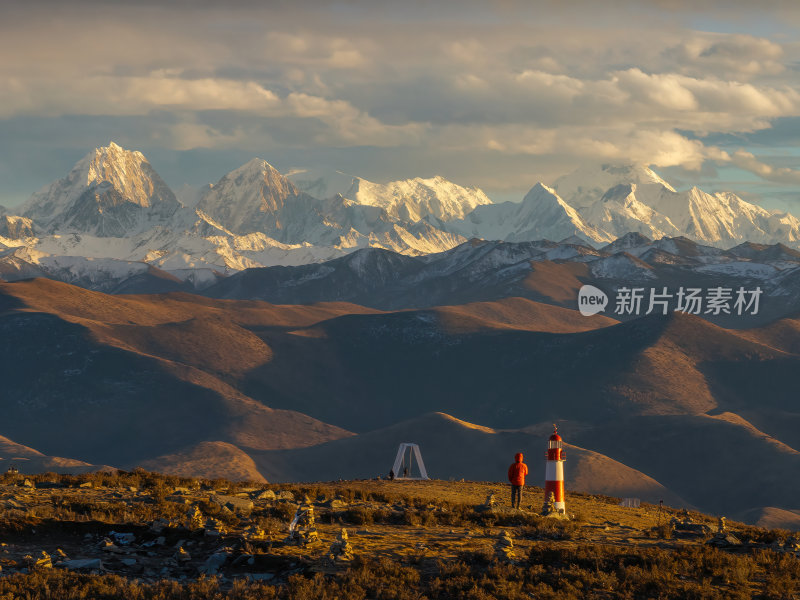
411 540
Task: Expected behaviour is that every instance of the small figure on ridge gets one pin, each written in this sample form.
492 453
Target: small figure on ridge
516 475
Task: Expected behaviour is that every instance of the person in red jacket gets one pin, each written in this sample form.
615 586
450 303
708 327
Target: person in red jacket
516 475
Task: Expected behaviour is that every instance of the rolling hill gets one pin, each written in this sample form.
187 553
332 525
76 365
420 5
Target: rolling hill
248 389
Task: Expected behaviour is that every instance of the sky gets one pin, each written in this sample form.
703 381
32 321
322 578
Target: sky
497 95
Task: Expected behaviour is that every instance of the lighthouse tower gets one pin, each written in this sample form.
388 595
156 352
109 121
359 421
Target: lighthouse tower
554 472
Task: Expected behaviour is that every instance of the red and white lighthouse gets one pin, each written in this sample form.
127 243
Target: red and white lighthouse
554 472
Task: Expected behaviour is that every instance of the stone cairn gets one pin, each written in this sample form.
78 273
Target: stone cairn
341 549
504 547
549 507
723 537
196 518
488 506
303 529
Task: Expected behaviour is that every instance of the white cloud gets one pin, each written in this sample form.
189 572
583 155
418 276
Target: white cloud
527 82
747 161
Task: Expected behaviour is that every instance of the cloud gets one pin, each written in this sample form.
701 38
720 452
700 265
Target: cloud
747 161
740 57
509 82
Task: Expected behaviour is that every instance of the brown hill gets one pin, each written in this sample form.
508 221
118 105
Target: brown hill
27 460
410 362
515 314
556 282
209 460
721 463
122 379
456 449
772 518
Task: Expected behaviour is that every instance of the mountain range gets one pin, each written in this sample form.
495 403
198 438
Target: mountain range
113 224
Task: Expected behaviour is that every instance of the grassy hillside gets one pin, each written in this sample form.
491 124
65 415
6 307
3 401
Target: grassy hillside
140 535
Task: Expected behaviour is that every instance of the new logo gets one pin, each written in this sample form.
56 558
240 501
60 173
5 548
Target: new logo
591 300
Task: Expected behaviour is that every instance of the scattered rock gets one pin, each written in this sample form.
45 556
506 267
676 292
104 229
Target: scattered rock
267 495
214 528
43 562
688 528
254 532
243 559
182 555
234 503
196 518
82 564
336 504
214 563
159 525
724 540
122 539
28 483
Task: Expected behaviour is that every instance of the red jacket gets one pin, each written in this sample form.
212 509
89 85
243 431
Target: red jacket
517 471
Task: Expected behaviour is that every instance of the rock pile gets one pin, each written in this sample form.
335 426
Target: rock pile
302 529
341 549
549 506
688 528
195 516
504 547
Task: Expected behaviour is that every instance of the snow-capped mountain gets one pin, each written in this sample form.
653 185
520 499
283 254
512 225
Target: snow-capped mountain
415 199
619 211
408 200
589 183
724 219
114 206
542 214
15 228
321 182
111 192
256 198
621 198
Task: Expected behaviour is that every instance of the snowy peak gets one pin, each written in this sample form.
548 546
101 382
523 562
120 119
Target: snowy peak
619 193
416 199
588 184
111 192
15 228
248 199
321 182
542 214
128 172
543 209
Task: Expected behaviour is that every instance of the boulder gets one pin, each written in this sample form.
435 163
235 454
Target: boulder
267 495
239 505
81 564
214 563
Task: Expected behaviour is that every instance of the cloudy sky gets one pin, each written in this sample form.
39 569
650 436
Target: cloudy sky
497 95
